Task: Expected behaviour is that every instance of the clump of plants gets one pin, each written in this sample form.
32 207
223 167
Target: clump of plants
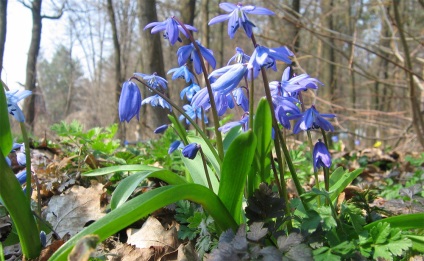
234 182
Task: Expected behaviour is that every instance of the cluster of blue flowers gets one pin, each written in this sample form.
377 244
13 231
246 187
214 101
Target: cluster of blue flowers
226 84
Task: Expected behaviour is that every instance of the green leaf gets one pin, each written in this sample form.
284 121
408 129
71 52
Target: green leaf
235 168
404 222
230 136
147 203
417 242
127 186
380 233
262 127
342 182
113 169
6 141
19 210
324 254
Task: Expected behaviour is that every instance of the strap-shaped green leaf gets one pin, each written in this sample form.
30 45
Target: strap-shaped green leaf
147 203
6 140
262 126
235 168
19 210
113 169
197 172
127 186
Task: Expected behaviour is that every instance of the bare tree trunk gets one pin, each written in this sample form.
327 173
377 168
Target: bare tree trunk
34 49
117 56
31 70
3 27
152 62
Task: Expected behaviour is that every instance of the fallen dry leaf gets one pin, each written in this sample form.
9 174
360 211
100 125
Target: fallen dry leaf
68 213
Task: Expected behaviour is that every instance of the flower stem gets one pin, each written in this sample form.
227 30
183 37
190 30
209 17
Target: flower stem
218 135
28 161
196 126
205 167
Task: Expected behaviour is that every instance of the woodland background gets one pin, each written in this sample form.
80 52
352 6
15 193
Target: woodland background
368 53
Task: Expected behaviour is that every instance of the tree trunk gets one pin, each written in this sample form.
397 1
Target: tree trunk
117 62
31 68
152 61
3 26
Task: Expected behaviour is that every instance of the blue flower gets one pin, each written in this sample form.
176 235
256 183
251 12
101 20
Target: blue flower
222 102
238 17
264 56
190 91
21 176
153 80
161 129
231 76
321 155
182 72
156 100
312 119
129 102
193 113
171 28
190 151
201 99
174 145
241 99
189 52
228 126
20 156
239 57
13 97
300 83
285 110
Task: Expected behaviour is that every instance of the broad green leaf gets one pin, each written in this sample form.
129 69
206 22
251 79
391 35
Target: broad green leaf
147 203
19 210
235 168
113 169
1 252
262 127
6 141
197 172
230 136
404 222
127 186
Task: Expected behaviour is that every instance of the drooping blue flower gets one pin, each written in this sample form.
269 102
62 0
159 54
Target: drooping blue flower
182 72
189 52
174 145
201 99
161 129
321 155
190 151
21 176
13 97
153 80
171 28
193 113
156 100
222 102
230 77
312 119
238 17
190 91
285 110
228 126
20 156
129 102
239 57
241 99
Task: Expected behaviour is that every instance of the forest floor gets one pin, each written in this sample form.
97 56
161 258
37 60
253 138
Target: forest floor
71 202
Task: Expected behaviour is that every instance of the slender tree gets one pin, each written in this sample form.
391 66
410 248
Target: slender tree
34 49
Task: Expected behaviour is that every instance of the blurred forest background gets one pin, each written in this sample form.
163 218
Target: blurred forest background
368 53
